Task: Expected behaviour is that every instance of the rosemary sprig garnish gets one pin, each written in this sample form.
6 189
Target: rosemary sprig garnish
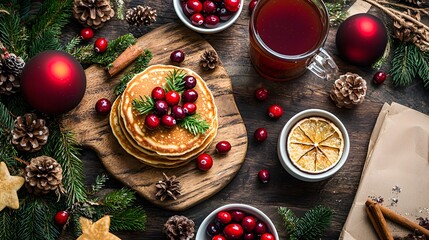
175 81
144 105
194 124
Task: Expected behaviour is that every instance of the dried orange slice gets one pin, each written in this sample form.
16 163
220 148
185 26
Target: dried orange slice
315 145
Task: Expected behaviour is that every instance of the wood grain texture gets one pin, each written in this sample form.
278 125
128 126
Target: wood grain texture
93 131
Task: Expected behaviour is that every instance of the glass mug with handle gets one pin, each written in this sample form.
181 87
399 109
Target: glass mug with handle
286 39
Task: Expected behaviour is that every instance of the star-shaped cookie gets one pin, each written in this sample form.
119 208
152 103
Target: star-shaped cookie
96 231
9 185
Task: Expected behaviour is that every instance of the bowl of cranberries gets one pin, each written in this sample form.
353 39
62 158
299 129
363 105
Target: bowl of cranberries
237 221
208 16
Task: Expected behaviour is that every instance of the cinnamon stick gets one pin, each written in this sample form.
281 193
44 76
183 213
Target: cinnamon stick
128 56
374 223
380 221
400 220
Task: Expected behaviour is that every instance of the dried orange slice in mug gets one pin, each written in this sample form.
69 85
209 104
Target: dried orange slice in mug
315 145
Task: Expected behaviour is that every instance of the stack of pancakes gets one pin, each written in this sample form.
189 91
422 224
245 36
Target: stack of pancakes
161 147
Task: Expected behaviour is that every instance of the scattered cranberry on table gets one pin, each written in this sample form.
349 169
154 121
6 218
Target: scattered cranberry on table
223 147
204 162
177 56
275 111
86 33
61 217
260 134
264 176
152 121
103 106
261 94
379 77
100 45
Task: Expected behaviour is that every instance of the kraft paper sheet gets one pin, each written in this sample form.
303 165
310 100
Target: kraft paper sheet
396 168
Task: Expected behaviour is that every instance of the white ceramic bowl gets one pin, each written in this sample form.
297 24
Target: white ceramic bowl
201 233
201 29
284 157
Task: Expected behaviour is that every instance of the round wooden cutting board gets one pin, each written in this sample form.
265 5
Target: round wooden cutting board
93 131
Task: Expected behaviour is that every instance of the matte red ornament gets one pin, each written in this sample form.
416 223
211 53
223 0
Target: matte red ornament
361 39
53 82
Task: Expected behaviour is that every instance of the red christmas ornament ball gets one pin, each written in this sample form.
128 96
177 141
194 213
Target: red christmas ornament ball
361 39
53 82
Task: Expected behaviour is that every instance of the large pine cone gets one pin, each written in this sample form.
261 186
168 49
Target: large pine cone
179 228
141 15
44 174
92 13
10 73
348 90
29 133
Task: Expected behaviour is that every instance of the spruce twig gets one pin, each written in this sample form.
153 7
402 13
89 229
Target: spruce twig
403 69
131 219
6 225
118 200
194 124
175 81
99 183
336 12
144 105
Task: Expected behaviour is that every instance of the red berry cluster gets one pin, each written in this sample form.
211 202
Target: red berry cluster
236 224
209 13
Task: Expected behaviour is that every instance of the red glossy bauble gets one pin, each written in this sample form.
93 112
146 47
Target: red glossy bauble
361 39
53 82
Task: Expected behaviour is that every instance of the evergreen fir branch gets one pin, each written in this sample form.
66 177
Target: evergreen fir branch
141 64
7 229
131 219
72 44
99 183
118 200
144 105
337 13
289 218
423 69
6 120
13 35
120 12
194 124
404 68
175 81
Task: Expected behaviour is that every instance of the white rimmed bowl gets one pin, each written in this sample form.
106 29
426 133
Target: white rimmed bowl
284 156
201 29
249 210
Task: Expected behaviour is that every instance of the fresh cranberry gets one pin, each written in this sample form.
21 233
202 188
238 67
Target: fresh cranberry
249 236
172 98
100 45
260 228
260 134
379 77
248 223
168 121
224 15
261 94
190 81
212 230
204 162
177 112
193 6
223 147
161 107
189 108
264 176
267 236
211 21
209 7
61 217
237 215
197 19
252 5
103 106
224 217
218 237
152 121
177 56
87 33
232 5
189 95
233 231
275 111
158 93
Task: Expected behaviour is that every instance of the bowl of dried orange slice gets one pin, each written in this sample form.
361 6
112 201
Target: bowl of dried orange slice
313 145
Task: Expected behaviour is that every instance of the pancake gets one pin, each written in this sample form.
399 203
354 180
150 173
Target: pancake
176 141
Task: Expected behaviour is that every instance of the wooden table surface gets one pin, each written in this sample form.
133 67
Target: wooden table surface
294 96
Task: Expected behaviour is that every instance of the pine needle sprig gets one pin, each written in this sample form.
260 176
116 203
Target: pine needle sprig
175 81
118 200
289 218
14 36
131 219
7 229
194 124
336 11
100 181
404 64
423 70
72 44
6 120
144 105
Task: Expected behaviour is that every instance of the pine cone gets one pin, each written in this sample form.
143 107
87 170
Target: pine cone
44 174
209 60
419 3
141 15
407 31
168 187
348 90
93 13
10 73
29 133
179 228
